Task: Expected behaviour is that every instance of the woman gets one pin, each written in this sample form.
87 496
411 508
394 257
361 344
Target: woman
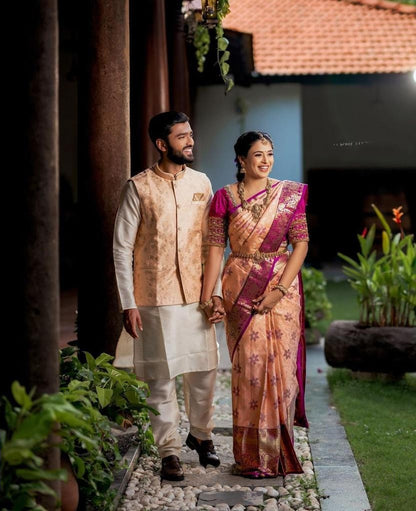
263 303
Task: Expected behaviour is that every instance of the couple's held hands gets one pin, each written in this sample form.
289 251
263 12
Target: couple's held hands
132 320
264 303
213 309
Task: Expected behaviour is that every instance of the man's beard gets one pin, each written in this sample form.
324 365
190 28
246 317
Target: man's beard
178 157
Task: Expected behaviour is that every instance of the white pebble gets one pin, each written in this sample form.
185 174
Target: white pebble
284 507
271 492
238 507
314 503
222 507
296 503
270 501
282 491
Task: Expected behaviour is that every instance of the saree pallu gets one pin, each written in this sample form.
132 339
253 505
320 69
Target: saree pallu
267 351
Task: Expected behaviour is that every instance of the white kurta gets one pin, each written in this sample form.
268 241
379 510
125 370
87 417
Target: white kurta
176 339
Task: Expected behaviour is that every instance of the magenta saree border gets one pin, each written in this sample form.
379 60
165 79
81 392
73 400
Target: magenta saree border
300 411
252 288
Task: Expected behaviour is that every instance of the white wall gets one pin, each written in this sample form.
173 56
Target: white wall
217 124
357 125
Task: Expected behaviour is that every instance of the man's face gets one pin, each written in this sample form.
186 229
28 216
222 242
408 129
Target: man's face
180 144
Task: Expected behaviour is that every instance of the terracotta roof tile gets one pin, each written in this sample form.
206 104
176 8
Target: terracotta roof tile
303 37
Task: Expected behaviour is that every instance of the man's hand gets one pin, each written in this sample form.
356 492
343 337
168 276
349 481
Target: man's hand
216 313
132 319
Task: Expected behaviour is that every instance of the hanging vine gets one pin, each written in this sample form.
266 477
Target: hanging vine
201 42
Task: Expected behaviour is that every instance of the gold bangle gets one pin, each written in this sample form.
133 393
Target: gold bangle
281 288
204 305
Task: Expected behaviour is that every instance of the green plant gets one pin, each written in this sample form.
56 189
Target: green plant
24 438
92 451
201 42
92 394
385 284
106 394
317 305
117 393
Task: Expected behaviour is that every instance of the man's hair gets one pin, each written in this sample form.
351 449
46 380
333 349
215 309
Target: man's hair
161 124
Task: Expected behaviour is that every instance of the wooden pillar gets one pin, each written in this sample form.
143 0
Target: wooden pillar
179 87
150 81
30 276
104 165
31 311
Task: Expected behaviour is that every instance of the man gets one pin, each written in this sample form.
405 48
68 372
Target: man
161 225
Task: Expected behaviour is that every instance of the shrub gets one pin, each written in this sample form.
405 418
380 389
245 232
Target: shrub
92 396
317 305
26 427
385 283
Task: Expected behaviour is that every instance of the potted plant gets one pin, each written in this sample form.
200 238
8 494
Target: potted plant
26 426
94 396
317 305
384 338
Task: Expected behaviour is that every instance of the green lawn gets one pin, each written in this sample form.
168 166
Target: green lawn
380 421
344 302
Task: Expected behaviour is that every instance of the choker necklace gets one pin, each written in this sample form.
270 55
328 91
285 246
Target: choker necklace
255 209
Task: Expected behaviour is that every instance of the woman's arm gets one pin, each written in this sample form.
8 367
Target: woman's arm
215 312
268 300
293 266
211 271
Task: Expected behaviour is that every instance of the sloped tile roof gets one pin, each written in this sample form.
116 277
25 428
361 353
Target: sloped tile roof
304 37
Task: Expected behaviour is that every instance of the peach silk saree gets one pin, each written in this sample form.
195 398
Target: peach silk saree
267 351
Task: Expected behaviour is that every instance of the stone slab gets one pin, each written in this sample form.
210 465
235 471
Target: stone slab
246 498
223 428
336 471
224 479
221 475
122 477
344 489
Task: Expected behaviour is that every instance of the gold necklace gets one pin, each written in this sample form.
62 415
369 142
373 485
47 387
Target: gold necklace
257 208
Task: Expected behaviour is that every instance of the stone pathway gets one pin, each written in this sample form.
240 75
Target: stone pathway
216 488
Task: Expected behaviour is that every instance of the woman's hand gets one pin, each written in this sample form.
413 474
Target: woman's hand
264 303
215 313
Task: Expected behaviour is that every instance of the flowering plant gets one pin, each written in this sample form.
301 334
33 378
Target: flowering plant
385 283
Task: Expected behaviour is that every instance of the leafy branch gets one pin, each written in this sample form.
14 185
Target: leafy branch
201 43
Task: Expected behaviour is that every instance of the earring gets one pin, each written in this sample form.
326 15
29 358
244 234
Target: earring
243 169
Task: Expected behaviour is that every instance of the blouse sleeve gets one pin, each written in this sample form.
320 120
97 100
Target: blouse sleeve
298 230
218 220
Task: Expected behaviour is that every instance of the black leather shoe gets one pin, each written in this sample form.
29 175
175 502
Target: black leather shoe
171 469
205 449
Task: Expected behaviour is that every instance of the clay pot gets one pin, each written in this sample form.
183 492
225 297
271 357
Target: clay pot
70 488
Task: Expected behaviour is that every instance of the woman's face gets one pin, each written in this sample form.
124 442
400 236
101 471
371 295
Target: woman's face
259 160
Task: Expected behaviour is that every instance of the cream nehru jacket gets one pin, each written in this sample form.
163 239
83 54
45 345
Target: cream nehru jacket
169 248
